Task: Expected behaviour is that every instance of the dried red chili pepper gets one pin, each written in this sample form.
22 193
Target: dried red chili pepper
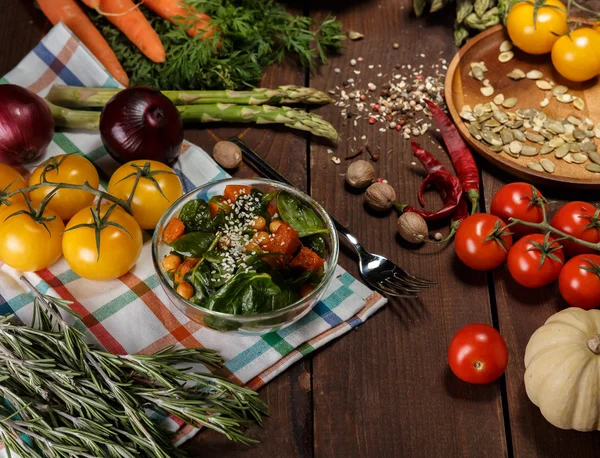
448 186
460 154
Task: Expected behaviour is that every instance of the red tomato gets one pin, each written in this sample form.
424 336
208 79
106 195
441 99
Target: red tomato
533 262
520 201
580 220
482 241
477 354
579 281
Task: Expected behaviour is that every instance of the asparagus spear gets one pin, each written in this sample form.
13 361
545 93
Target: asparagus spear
216 112
77 97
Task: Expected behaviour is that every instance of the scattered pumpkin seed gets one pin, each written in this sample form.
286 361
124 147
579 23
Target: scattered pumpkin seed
558 90
589 147
529 150
467 116
506 56
543 85
492 123
487 90
516 74
534 75
495 148
535 138
519 135
564 98
515 147
578 103
556 127
574 148
507 136
574 120
474 131
561 151
547 165
505 46
579 134
544 103
510 102
490 138
477 73
499 99
556 142
568 158
546 148
594 157
594 168
579 158
535 166
500 116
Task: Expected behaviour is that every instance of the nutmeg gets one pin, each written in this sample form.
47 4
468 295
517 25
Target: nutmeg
380 196
227 154
360 174
412 227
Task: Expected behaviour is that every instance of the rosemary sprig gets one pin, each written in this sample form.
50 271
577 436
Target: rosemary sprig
65 398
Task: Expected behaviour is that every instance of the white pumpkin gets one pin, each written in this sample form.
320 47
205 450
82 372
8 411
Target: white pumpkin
562 376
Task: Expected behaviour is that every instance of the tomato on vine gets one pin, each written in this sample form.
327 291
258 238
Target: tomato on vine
478 354
534 26
520 201
30 238
65 168
581 220
10 181
482 241
579 281
576 56
102 243
157 186
536 260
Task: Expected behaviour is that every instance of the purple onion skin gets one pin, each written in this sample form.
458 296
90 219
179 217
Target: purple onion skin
26 125
141 123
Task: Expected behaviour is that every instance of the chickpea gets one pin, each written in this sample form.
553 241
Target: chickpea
171 262
251 246
275 225
259 223
185 289
261 237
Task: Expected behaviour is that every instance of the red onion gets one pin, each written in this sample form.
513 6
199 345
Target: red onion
141 123
26 124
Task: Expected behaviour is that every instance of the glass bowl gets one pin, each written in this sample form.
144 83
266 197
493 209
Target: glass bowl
261 323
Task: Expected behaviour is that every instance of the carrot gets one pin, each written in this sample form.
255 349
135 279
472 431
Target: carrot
69 13
171 9
174 230
131 21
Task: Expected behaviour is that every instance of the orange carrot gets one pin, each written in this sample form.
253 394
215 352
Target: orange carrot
69 13
131 21
170 9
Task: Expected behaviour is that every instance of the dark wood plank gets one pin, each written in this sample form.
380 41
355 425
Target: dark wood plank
386 390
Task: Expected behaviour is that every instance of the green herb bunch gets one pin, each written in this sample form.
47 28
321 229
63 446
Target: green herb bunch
249 36
65 398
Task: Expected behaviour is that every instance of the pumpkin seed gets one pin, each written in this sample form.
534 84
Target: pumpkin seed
564 98
579 134
516 74
556 127
589 147
506 56
505 46
543 85
527 113
492 123
568 158
519 135
515 147
546 149
540 118
534 75
547 134
487 90
535 138
499 99
594 157
478 110
535 166
477 73
500 116
579 158
510 102
547 165
556 142
574 120
558 90
574 147
544 103
506 149
529 150
474 131
507 136
518 123
467 116
561 151
486 82
497 129
594 168
579 103
495 148
484 117
490 138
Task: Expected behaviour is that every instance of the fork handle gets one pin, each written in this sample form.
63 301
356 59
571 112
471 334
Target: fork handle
265 169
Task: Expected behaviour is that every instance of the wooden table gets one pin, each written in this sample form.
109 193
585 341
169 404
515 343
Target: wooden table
384 390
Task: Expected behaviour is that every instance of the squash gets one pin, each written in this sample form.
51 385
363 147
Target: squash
562 369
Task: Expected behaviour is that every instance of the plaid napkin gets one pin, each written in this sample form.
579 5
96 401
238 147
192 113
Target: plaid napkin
133 314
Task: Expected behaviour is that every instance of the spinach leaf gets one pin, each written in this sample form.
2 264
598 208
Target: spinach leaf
195 215
301 217
315 242
245 293
194 243
220 271
200 280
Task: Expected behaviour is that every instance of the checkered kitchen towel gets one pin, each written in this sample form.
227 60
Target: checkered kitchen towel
133 314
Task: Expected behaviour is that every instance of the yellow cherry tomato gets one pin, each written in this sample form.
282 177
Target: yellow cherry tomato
69 168
577 56
10 180
538 37
158 187
27 244
120 243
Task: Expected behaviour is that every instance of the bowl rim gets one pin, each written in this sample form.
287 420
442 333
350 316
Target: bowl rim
156 239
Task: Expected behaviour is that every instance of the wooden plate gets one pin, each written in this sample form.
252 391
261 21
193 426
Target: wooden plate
461 89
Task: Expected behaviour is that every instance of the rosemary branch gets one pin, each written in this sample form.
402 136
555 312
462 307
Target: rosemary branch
65 398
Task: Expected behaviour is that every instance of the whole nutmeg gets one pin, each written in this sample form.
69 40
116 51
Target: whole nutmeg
380 196
412 227
360 174
228 155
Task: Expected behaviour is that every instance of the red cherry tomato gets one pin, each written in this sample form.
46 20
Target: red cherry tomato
478 354
579 281
482 241
580 220
520 201
535 262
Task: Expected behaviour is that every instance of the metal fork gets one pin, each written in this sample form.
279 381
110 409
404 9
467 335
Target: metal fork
379 272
